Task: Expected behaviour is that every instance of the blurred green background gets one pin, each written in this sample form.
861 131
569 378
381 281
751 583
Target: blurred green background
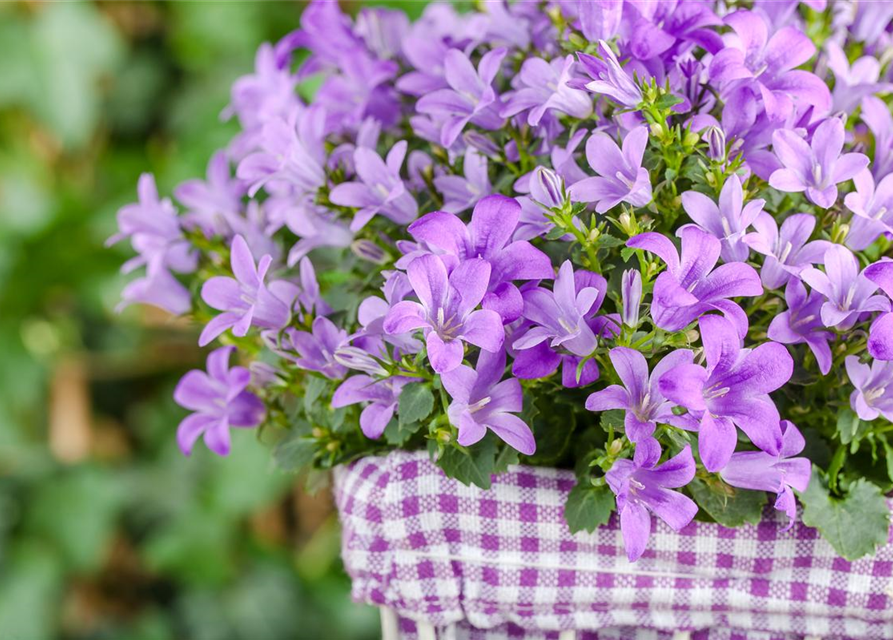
106 530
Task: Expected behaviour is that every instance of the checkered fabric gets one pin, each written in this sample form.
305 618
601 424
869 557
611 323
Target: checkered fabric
501 564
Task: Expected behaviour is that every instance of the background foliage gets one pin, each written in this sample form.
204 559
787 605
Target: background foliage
106 531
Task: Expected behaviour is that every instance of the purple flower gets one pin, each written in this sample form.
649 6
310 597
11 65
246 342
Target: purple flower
872 208
768 65
316 226
848 293
609 78
760 471
880 335
544 86
155 233
380 189
216 204
852 82
220 400
292 152
460 193
815 168
266 94
691 286
314 351
873 396
246 300
729 221
787 251
470 98
481 402
643 490
631 296
640 397
373 311
382 396
599 19
158 288
731 390
560 315
802 323
446 310
876 114
487 237
622 178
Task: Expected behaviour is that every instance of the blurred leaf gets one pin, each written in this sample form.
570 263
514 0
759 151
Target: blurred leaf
588 507
727 505
30 588
196 548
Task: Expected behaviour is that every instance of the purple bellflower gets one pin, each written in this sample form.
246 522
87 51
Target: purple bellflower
379 190
621 176
876 114
815 167
487 237
313 351
461 192
643 490
787 250
802 323
446 310
852 82
382 396
631 297
731 390
220 400
481 402
640 397
767 64
470 98
246 300
729 221
880 334
848 292
691 286
872 207
560 315
873 396
215 204
544 87
778 474
609 78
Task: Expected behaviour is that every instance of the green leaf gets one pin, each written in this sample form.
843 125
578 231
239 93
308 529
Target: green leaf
508 456
849 427
667 101
613 418
856 524
416 403
294 452
727 505
626 253
474 466
313 389
397 433
588 507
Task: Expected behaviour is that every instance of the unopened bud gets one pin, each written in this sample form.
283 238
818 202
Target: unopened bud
368 250
631 294
317 433
716 143
444 436
547 188
333 446
481 143
359 360
691 139
615 447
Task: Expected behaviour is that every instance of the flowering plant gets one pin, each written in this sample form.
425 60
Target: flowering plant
645 240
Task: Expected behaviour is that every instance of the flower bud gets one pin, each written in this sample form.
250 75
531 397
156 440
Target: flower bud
357 359
615 447
368 250
716 143
481 143
547 188
631 294
691 139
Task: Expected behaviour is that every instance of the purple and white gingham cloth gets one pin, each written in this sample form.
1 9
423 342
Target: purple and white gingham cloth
501 564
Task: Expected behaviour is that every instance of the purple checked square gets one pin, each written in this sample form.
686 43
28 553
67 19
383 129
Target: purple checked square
759 587
724 561
490 576
799 591
882 569
527 512
644 582
425 570
530 544
452 535
841 564
837 597
762 565
604 581
488 508
529 577
567 578
802 562
687 558
489 542
527 480
877 601
417 540
448 503
409 470
410 506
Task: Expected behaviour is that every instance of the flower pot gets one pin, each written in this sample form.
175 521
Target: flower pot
457 561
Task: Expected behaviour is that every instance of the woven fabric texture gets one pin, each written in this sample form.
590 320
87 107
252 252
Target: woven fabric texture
501 564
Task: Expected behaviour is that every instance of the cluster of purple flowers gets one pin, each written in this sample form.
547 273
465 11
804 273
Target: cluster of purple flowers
663 199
